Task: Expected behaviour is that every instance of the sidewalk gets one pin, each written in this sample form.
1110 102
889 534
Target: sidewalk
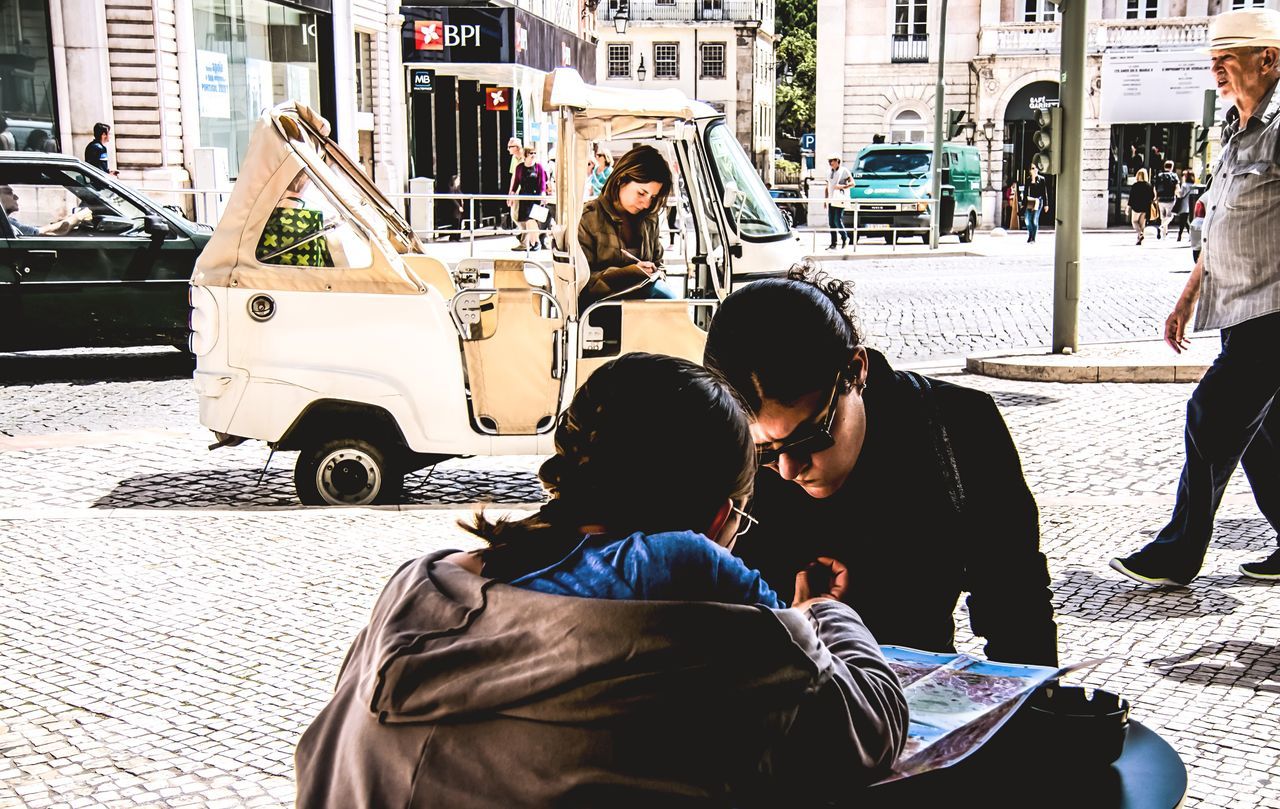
1096 244
1132 361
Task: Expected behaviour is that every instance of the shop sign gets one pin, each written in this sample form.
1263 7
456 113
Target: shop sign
491 35
422 80
1036 96
1153 87
522 38
497 99
214 84
436 35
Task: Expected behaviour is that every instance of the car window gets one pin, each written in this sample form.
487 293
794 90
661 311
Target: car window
893 164
307 229
64 201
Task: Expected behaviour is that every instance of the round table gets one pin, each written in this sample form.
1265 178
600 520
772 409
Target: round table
1148 775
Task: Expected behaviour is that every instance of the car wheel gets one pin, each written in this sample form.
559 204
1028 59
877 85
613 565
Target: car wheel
346 472
966 235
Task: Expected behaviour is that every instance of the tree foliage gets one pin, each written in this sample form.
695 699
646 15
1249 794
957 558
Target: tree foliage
797 66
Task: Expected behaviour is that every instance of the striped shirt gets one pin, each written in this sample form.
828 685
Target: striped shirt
1242 209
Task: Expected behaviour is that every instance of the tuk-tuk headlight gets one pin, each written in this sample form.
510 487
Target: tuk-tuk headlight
922 207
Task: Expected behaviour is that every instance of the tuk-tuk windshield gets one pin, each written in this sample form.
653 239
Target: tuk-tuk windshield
752 209
883 163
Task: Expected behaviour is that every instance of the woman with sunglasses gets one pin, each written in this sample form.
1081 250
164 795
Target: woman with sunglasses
913 484
608 650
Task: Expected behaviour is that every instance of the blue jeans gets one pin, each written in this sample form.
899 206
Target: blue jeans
835 221
1231 420
659 290
1032 220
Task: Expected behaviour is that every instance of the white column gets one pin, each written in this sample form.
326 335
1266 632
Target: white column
344 78
393 181
185 29
829 125
88 70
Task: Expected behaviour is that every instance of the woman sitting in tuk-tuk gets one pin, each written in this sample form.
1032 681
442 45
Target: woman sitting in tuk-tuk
619 230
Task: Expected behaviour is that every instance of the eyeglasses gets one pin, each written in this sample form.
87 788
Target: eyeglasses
745 520
813 440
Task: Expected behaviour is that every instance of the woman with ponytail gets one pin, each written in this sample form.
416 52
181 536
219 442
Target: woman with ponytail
608 650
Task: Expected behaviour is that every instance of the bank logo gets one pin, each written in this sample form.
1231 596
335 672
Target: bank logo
497 99
428 35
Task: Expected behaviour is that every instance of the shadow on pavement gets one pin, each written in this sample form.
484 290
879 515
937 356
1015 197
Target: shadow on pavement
1091 597
239 488
1009 399
86 367
1238 663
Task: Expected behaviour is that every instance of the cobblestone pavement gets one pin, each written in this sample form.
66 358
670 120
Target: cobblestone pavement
169 625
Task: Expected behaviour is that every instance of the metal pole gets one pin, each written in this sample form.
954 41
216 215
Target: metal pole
1066 250
939 101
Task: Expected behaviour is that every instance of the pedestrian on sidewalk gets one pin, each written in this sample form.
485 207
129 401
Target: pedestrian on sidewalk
913 483
530 180
1035 202
95 154
839 181
1166 187
1141 197
1182 202
1232 417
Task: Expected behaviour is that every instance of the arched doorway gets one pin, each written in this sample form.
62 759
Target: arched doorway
1019 129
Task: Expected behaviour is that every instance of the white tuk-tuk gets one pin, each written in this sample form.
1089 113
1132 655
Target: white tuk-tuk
320 323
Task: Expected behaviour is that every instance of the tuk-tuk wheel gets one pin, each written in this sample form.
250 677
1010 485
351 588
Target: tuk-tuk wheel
346 472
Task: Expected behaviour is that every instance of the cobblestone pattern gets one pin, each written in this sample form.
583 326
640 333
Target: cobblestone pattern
174 659
951 307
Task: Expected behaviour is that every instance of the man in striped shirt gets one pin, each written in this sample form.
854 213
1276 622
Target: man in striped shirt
1233 417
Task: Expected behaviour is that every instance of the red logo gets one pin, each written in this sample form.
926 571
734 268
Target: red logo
497 99
428 35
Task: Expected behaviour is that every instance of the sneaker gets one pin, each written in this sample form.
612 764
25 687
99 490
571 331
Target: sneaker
535 246
1266 570
1143 572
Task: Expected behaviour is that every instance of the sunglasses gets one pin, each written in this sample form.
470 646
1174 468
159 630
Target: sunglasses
813 438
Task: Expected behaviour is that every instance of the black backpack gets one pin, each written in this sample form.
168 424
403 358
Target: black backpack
1166 184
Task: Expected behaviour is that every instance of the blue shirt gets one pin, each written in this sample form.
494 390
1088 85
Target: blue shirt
675 566
95 154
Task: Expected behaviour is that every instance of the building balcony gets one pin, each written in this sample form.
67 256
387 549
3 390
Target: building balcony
684 11
1182 33
910 48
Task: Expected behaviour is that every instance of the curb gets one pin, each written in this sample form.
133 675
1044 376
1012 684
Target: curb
1029 365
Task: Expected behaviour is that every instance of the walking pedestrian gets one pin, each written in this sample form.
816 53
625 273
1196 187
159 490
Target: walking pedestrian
1182 202
1166 186
912 483
1141 197
1035 202
1232 416
839 181
601 168
530 180
95 154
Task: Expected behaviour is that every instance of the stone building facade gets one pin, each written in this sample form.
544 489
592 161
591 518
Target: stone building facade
877 76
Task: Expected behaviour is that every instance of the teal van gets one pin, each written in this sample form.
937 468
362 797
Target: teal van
902 171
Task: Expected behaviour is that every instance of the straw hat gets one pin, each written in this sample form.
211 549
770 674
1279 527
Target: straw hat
1248 28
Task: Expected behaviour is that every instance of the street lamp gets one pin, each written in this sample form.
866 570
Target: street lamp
968 128
620 22
988 133
641 73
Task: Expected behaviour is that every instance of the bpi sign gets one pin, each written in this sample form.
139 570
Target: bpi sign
436 35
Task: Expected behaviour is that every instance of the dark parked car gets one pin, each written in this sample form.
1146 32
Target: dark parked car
797 213
87 261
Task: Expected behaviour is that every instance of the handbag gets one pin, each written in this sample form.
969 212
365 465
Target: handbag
1033 203
294 237
1154 214
539 212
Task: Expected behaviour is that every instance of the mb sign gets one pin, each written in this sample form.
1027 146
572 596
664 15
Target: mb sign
421 80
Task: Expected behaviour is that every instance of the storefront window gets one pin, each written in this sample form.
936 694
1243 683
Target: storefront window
250 55
26 78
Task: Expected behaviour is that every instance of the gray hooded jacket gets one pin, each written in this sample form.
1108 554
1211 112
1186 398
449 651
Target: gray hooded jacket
464 692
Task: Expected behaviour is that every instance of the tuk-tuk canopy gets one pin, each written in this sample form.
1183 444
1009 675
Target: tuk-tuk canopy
288 142
611 111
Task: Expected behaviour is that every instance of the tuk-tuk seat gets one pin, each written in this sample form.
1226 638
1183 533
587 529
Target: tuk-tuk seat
512 368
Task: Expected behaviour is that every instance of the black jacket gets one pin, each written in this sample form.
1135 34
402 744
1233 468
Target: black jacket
893 524
1141 195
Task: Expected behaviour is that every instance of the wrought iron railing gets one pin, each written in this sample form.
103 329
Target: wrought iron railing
910 48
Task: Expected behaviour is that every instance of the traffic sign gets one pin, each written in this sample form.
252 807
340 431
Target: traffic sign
808 141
